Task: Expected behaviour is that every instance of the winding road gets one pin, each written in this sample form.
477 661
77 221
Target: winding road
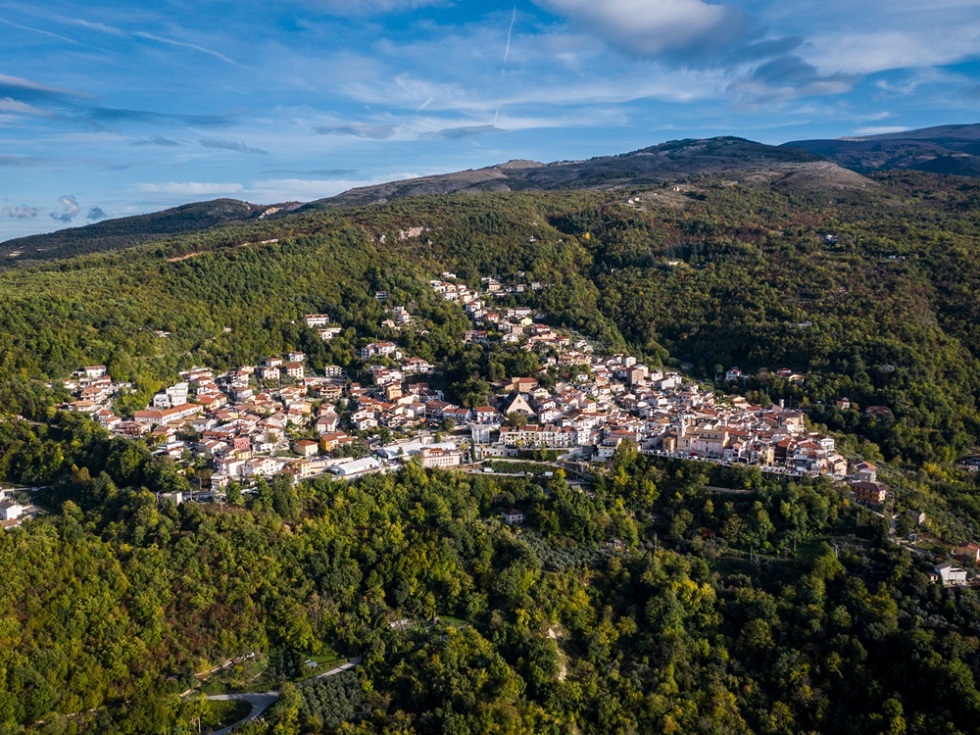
261 701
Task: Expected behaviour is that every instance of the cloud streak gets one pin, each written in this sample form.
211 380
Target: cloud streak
116 115
360 8
157 140
20 88
183 44
19 161
466 131
359 130
229 145
190 188
10 105
510 32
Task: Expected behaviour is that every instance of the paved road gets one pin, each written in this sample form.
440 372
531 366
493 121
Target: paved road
261 701
343 667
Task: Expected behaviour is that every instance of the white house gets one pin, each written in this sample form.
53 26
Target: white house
949 575
11 510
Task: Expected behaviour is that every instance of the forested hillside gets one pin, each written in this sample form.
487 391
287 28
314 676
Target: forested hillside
651 604
871 295
669 597
125 231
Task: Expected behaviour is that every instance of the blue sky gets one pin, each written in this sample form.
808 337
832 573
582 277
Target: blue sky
113 108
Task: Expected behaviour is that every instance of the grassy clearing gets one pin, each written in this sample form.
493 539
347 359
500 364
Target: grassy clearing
217 714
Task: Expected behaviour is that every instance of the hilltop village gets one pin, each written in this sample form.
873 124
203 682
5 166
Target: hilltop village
276 417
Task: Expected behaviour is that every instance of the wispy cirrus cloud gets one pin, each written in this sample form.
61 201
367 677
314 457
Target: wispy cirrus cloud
92 26
554 91
117 115
466 131
26 97
230 145
143 35
157 140
359 130
190 188
329 173
185 45
20 88
360 8
19 161
40 31
880 129
10 105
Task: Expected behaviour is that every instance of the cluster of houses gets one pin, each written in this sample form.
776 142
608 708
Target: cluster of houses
258 421
614 398
451 289
321 323
95 390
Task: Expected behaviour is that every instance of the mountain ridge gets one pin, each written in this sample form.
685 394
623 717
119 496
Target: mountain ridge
734 157
112 234
651 165
811 165
943 149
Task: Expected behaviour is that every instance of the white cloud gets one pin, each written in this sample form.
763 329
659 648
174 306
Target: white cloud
20 212
69 209
10 105
359 130
867 53
880 130
369 7
232 145
182 44
11 82
408 92
646 27
91 26
190 188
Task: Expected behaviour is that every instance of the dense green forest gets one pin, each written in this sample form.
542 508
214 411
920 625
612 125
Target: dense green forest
651 603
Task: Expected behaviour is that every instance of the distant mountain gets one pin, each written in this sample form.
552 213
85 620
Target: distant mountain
118 233
948 149
736 158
